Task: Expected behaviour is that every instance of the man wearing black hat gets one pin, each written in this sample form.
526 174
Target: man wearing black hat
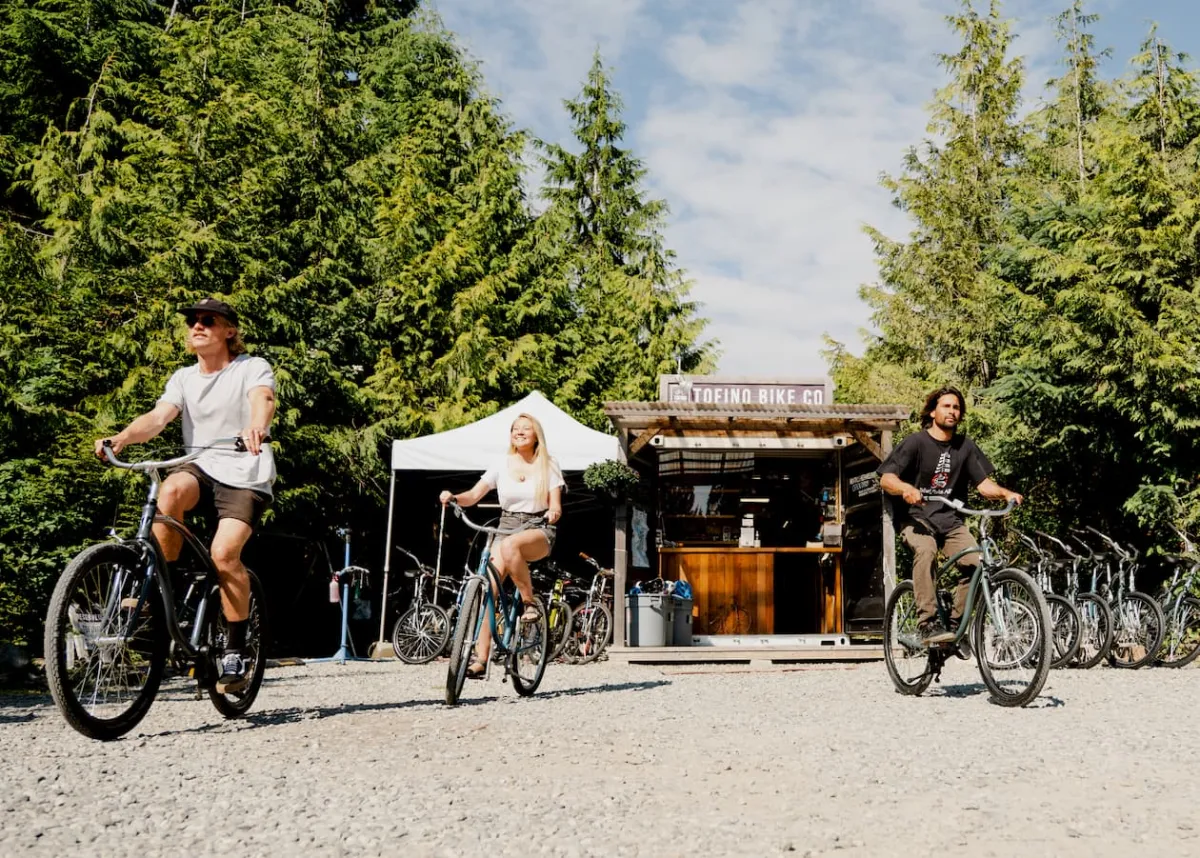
226 392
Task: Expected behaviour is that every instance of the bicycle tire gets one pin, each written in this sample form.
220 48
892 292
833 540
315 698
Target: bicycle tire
1064 625
1137 632
73 648
235 704
1095 630
421 634
531 648
1181 634
1013 633
560 621
903 652
466 629
597 633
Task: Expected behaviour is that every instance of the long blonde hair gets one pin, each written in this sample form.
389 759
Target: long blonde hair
541 457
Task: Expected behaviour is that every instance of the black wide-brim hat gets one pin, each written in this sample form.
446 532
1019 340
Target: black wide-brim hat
211 305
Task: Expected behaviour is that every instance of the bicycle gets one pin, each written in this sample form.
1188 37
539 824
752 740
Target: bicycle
422 632
1137 618
1181 609
524 646
114 621
1095 616
591 630
1064 616
560 616
1005 612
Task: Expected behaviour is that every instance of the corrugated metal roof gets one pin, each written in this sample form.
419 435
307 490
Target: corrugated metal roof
756 411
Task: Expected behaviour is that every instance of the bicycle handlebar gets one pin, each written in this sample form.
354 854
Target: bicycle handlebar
1066 548
959 506
494 531
236 440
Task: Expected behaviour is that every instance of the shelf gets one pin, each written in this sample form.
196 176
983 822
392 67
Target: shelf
681 515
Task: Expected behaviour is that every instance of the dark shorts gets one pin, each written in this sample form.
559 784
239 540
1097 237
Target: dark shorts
240 504
513 520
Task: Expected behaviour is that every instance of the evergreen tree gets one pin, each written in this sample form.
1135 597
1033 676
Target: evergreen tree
631 319
939 310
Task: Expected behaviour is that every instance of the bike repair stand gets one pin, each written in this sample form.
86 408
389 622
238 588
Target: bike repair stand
345 652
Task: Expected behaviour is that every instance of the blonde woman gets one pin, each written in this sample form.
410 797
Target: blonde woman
529 483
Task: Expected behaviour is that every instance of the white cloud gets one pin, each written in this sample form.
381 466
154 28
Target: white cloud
765 125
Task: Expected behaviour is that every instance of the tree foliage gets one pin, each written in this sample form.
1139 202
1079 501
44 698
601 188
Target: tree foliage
335 170
1053 274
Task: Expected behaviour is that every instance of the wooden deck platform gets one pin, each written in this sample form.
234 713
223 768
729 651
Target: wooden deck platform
742 654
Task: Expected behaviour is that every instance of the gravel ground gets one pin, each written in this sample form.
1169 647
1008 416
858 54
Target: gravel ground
363 759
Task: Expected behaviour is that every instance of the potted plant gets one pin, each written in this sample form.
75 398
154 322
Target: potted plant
612 478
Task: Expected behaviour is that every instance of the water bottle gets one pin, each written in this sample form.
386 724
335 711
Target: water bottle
335 591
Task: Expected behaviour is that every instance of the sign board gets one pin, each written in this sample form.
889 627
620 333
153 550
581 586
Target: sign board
723 390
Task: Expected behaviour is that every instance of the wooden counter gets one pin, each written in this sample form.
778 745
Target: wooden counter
733 588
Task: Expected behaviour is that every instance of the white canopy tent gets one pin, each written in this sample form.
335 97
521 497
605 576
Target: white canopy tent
478 445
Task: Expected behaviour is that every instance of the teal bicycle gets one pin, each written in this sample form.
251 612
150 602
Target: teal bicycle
1006 619
522 645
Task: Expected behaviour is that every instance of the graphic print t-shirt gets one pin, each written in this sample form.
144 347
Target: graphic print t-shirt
938 468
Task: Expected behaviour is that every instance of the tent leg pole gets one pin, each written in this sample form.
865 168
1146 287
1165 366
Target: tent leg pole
387 558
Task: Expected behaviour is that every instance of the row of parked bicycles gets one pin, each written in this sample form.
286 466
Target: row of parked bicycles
1097 611
578 611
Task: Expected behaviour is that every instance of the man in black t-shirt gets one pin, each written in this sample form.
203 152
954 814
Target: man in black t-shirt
938 462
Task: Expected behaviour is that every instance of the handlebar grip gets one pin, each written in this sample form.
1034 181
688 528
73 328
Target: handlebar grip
584 556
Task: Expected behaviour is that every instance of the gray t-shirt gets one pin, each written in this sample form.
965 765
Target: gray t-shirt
218 406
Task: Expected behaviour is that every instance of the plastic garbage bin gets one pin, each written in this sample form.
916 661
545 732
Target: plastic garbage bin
646 619
681 622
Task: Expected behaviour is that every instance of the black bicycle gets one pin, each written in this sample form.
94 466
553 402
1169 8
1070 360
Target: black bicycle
115 621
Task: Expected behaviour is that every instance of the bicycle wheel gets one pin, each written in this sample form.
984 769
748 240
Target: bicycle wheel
1095 630
1013 638
560 619
1064 623
907 659
1137 631
104 656
420 634
466 630
597 632
530 652
1181 634
235 704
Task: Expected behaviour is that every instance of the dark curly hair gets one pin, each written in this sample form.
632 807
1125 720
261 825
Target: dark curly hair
931 402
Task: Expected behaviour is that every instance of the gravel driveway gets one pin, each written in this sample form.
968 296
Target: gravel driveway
363 759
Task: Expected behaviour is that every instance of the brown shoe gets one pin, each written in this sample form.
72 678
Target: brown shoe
933 632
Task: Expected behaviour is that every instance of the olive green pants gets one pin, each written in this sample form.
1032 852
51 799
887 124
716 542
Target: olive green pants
925 550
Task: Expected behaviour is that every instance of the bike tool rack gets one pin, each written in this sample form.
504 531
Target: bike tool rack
345 652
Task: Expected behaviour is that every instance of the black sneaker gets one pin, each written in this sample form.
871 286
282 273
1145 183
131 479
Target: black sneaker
933 632
233 674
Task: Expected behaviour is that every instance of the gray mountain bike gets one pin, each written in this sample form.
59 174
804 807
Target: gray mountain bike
119 613
1006 616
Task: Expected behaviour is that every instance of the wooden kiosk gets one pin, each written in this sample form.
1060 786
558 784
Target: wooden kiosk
763 497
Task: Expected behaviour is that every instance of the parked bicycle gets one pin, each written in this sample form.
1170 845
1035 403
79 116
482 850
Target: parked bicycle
114 620
559 614
1181 609
1095 616
421 632
1064 616
1006 615
524 646
591 628
1137 618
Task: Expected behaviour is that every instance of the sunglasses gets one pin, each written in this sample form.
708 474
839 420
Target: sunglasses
206 321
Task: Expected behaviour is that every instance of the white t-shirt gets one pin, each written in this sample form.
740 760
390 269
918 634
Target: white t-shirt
218 406
517 496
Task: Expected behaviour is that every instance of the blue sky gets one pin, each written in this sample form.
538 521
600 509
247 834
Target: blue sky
765 125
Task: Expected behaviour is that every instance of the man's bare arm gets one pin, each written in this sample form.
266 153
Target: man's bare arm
992 490
142 428
262 411
893 485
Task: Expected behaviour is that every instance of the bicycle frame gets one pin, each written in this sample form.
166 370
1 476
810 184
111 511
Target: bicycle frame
154 562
